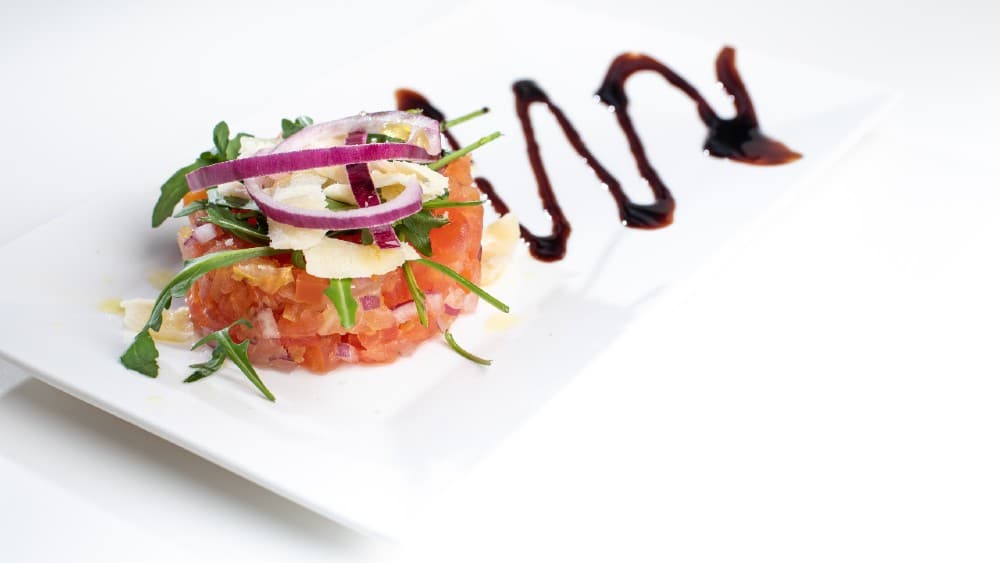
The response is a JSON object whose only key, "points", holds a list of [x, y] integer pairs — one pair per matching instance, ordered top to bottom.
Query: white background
{"points": [[831, 388]]}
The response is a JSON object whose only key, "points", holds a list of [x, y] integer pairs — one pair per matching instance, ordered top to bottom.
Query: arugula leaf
{"points": [[463, 118], [289, 127], [220, 137], [380, 138], [233, 147], [455, 155], [173, 190], [234, 201], [444, 203], [198, 205], [337, 205], [230, 217], [224, 218], [416, 229], [366, 236], [465, 283], [339, 293], [418, 296], [226, 348], [463, 352], [141, 354], [205, 369]]}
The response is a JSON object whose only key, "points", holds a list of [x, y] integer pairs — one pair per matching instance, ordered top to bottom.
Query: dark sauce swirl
{"points": [[738, 138]]}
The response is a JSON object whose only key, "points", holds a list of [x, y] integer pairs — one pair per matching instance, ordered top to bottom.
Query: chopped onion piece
{"points": [[204, 233], [369, 302], [405, 312], [266, 324], [346, 352]]}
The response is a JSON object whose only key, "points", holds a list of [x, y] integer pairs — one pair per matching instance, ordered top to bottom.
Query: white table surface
{"points": [[833, 386]]}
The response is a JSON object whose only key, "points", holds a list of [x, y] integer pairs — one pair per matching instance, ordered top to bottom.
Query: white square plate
{"points": [[370, 446]]}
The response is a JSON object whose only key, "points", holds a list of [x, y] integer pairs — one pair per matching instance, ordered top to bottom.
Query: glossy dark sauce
{"points": [[738, 138]]}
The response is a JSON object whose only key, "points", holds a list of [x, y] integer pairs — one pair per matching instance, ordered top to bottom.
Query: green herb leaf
{"points": [[463, 118], [289, 127], [220, 137], [380, 138], [233, 147], [455, 155], [173, 190], [235, 202], [443, 202], [198, 205], [337, 205], [224, 218], [416, 229], [367, 237], [299, 259], [466, 284], [339, 293], [418, 296], [226, 348], [463, 352], [141, 354], [205, 369]]}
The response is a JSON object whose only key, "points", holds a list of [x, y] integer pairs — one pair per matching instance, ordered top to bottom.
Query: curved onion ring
{"points": [[369, 123], [282, 162], [405, 204]]}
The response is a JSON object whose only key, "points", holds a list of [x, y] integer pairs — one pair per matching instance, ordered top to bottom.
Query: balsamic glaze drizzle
{"points": [[738, 138]]}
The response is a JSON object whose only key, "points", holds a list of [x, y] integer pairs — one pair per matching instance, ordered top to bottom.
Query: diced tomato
{"points": [[308, 324]]}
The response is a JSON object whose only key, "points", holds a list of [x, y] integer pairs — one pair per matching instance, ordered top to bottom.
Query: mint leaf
{"points": [[416, 229], [339, 293], [226, 348], [141, 355]]}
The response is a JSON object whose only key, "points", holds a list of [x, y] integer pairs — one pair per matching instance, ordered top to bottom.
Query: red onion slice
{"points": [[369, 123], [282, 162], [364, 193], [408, 202]]}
